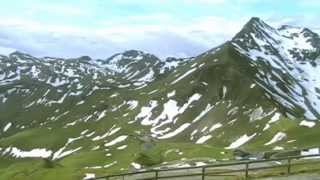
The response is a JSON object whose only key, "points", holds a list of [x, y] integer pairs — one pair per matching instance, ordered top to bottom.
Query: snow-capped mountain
{"points": [[288, 56], [139, 67], [258, 92]]}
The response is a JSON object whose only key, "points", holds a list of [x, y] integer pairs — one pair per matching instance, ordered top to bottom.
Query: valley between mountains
{"points": [[64, 118]]}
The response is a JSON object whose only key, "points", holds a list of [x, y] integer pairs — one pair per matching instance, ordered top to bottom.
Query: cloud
{"points": [[216, 2], [309, 3], [58, 9], [308, 21], [162, 27], [160, 34], [164, 38], [6, 51]]}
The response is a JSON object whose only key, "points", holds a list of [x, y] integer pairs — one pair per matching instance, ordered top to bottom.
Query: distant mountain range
{"points": [[63, 118]]}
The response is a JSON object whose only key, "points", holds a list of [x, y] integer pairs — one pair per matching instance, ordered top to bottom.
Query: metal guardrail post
{"points": [[289, 165], [247, 171], [203, 173], [156, 175]]}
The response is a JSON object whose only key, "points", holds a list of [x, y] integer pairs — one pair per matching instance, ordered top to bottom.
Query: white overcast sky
{"points": [[100, 28]]}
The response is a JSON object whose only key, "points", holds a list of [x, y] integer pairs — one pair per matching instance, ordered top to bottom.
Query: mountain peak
{"points": [[255, 22], [256, 26], [284, 27], [254, 29], [294, 30], [297, 43], [133, 52], [18, 53], [21, 55], [135, 55], [85, 58]]}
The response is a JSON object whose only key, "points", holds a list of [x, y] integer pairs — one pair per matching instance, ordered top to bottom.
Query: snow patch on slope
{"points": [[241, 141]]}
